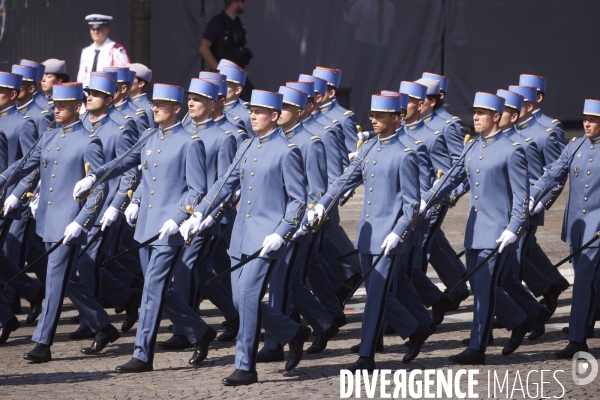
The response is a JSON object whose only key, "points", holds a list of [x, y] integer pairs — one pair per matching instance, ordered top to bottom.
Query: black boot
{"points": [[564, 283], [342, 294], [551, 296], [456, 304], [35, 307], [131, 309], [438, 310], [75, 319], [340, 321], [11, 326], [539, 328], [83, 332], [231, 332], [517, 335], [103, 337], [321, 340], [416, 341], [490, 341], [175, 342], [201, 347], [296, 347], [571, 349], [40, 354], [266, 355], [469, 357], [367, 363], [134, 365], [241, 378]]}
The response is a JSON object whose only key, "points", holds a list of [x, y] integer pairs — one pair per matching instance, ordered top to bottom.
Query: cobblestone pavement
{"points": [[72, 375]]}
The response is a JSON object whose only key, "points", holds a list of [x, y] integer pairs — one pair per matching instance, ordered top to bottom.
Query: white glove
{"points": [[363, 136], [352, 156], [83, 185], [457, 191], [345, 196], [11, 203], [422, 206], [34, 207], [537, 209], [131, 213], [315, 213], [428, 213], [110, 215], [207, 223], [191, 225], [169, 228], [72, 231], [300, 232], [506, 238], [390, 242], [271, 243]]}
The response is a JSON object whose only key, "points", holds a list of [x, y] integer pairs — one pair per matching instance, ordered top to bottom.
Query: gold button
{"points": [[195, 132], [62, 136], [162, 138], [259, 146], [483, 146], [58, 149], [379, 149], [158, 151], [481, 158], [591, 159], [255, 160], [55, 162], [374, 162], [155, 164], [477, 171], [251, 173], [589, 173], [53, 175], [372, 175], [153, 178], [476, 183], [587, 186], [250, 188], [51, 189], [370, 189], [152, 192], [476, 197], [585, 199], [49, 202], [249, 202], [369, 203], [149, 205], [475, 210], [584, 211], [247, 215], [367, 215]]}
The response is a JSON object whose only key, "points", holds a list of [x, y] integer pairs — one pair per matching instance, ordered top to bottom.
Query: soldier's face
{"points": [[99, 34], [48, 81], [26, 91], [233, 91], [7, 97], [97, 101], [428, 106], [200, 108], [414, 109], [526, 110], [164, 111], [66, 112], [289, 114], [509, 118], [262, 119], [484, 120], [383, 122], [591, 126]]}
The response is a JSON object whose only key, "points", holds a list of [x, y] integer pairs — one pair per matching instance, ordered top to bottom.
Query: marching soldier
{"points": [[55, 72], [143, 78], [539, 82], [38, 96], [122, 101], [26, 102], [235, 107], [63, 153], [267, 164], [391, 171], [497, 171], [173, 173], [580, 221]]}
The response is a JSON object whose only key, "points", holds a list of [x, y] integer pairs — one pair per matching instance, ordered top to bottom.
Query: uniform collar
{"points": [[107, 43], [139, 97], [334, 102], [230, 105], [25, 106], [326, 107], [440, 110], [8, 111], [537, 113], [317, 114], [429, 117], [309, 120], [98, 123], [525, 124], [202, 125], [414, 126], [73, 127], [172, 129], [400, 132], [510, 132], [290, 133], [274, 134], [493, 137], [388, 140], [595, 140]]}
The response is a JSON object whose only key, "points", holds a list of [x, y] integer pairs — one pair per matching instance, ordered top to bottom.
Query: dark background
{"points": [[479, 45]]}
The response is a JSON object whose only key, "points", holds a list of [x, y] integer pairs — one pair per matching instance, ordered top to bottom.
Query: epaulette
{"points": [[51, 102], [246, 103], [140, 110], [44, 112], [348, 112], [26, 116], [127, 116], [455, 117], [236, 118], [335, 121], [448, 121], [554, 121], [122, 127], [327, 127], [49, 128], [148, 129], [548, 130], [241, 131], [228, 132], [437, 132], [93, 135], [195, 137], [315, 137], [528, 139], [574, 139], [245, 140], [470, 141], [418, 142], [516, 144], [292, 145], [408, 149]]}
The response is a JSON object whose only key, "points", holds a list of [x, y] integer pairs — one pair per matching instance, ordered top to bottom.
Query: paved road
{"points": [[72, 375]]}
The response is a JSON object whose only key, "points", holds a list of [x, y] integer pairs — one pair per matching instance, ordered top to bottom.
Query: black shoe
{"points": [[353, 280], [564, 283], [342, 294], [551, 296], [456, 303], [35, 307], [119, 309], [131, 309], [438, 310], [75, 319], [340, 321], [224, 324], [11, 326], [170, 328], [539, 328], [589, 331], [83, 332], [231, 332], [517, 335], [102, 338], [321, 340], [416, 341], [176, 342], [489, 343], [201, 347], [296, 347], [378, 348], [571, 349], [40, 354], [266, 355], [469, 357], [367, 363], [134, 365], [241, 378]]}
